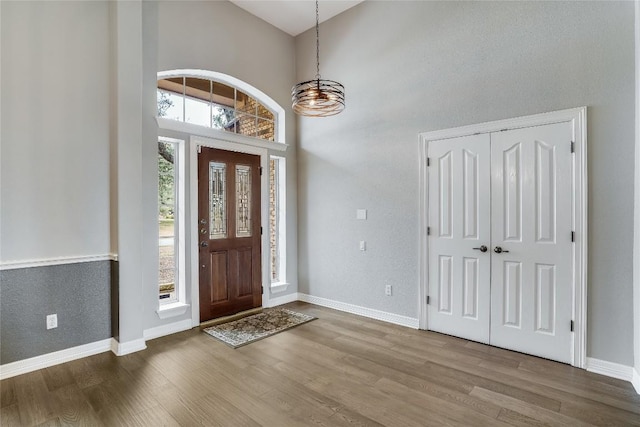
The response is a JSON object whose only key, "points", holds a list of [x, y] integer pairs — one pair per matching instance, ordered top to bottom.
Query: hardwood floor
{"points": [[339, 370]]}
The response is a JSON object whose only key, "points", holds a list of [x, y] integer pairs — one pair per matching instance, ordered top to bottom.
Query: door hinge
{"points": [[573, 147], [199, 149], [428, 162], [260, 170], [261, 231], [428, 231], [573, 236], [262, 290], [428, 300], [572, 326]]}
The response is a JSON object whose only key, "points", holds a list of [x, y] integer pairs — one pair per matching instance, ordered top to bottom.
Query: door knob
{"points": [[203, 221], [204, 244], [482, 248], [499, 250]]}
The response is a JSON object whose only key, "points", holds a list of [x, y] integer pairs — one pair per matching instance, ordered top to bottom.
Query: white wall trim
{"points": [[578, 118], [45, 262], [285, 299], [409, 322], [168, 329], [122, 349], [50, 359], [610, 369], [635, 380]]}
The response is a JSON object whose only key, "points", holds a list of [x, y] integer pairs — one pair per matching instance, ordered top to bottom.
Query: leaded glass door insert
{"points": [[217, 200], [243, 201]]}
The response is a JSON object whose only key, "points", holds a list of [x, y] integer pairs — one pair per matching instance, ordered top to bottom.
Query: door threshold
{"points": [[230, 318]]}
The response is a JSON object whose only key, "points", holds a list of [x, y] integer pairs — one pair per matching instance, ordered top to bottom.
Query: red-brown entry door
{"points": [[228, 232]]}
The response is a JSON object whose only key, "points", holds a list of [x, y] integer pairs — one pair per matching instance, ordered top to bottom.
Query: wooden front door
{"points": [[229, 232]]}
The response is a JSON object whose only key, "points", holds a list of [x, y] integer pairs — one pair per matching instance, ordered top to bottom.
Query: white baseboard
{"points": [[273, 302], [397, 319], [171, 328], [121, 349], [46, 360], [610, 369], [636, 380]]}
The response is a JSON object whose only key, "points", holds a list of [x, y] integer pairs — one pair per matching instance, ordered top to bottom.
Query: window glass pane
{"points": [[198, 88], [223, 94], [245, 103], [170, 105], [197, 111], [264, 113], [223, 118], [246, 125], [266, 129], [217, 200], [243, 201], [273, 218], [166, 221]]}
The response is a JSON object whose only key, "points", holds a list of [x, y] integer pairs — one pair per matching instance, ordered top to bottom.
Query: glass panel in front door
{"points": [[217, 200], [243, 201]]}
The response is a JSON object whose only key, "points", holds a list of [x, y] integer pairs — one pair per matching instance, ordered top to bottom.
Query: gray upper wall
{"points": [[411, 67]]}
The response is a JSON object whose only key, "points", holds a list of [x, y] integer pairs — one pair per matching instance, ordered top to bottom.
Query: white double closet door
{"points": [[500, 244]]}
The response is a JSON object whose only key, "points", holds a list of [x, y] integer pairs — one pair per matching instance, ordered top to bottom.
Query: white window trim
{"points": [[263, 98], [191, 129], [281, 285], [178, 306]]}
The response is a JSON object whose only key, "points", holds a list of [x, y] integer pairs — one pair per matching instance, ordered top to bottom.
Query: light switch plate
{"points": [[361, 214]]}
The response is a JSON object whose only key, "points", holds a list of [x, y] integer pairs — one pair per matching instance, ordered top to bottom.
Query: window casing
{"points": [[171, 219]]}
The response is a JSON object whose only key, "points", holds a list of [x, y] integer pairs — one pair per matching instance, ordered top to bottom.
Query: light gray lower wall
{"points": [[411, 67], [78, 293]]}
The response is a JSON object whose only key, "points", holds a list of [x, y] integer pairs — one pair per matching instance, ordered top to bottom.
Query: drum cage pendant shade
{"points": [[319, 97]]}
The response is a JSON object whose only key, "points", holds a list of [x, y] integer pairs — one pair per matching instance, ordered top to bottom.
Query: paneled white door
{"points": [[510, 192], [459, 218], [531, 286]]}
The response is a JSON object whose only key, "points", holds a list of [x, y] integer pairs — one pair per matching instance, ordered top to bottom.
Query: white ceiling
{"points": [[294, 16]]}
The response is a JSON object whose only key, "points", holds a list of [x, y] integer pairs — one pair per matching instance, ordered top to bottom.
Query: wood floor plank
{"points": [[339, 370], [7, 393], [36, 403], [10, 416], [544, 416]]}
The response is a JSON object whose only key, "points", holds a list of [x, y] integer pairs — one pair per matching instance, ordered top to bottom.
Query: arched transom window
{"points": [[217, 103]]}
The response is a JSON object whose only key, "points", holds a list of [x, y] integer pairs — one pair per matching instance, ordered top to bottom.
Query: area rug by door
{"points": [[253, 328]]}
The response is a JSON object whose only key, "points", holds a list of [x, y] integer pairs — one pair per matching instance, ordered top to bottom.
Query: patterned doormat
{"points": [[253, 328]]}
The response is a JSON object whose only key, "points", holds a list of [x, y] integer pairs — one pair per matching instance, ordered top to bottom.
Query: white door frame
{"points": [[578, 119], [195, 142]]}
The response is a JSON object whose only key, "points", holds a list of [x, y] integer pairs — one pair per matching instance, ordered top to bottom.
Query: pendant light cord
{"points": [[317, 42]]}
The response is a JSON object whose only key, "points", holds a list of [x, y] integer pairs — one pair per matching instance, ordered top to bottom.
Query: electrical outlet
{"points": [[363, 245], [387, 290], [52, 321]]}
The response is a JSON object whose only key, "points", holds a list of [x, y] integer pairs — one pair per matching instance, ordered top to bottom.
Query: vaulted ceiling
{"points": [[294, 17]]}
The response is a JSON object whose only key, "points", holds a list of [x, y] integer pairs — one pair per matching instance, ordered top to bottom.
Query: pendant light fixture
{"points": [[319, 97]]}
